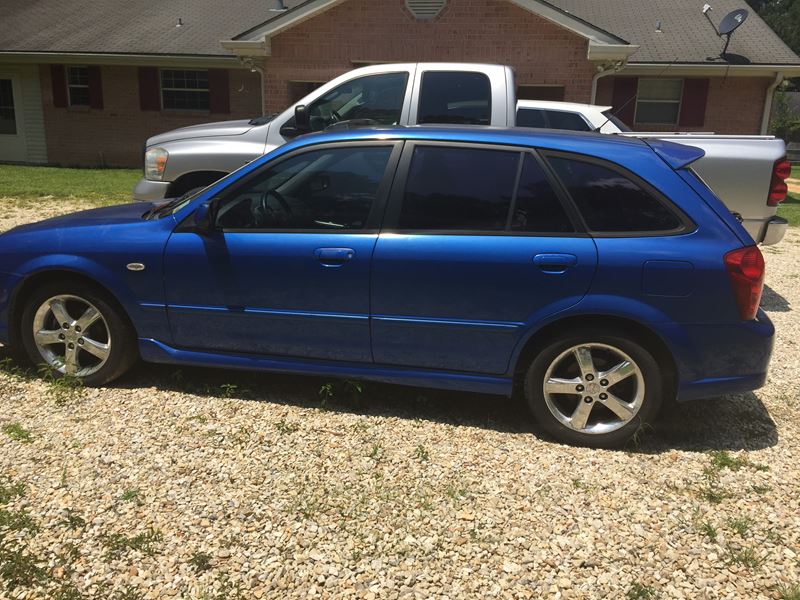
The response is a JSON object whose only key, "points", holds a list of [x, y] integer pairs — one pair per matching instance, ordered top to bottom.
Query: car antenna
{"points": [[631, 99]]}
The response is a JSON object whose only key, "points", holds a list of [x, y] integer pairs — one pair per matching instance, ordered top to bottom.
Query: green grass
{"points": [[99, 185], [789, 209]]}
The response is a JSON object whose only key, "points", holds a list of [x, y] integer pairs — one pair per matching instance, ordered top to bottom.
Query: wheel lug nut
{"points": [[65, 325], [77, 328], [61, 336], [80, 341], [71, 346], [589, 377], [604, 382], [579, 388], [603, 396], [588, 399]]}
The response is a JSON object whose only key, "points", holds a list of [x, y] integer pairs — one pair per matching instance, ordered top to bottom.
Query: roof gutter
{"points": [[156, 60], [718, 69], [768, 102]]}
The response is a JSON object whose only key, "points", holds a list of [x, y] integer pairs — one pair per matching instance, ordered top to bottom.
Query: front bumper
{"points": [[151, 191], [725, 359]]}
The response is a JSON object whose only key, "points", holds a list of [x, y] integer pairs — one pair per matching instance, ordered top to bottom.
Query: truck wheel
{"points": [[75, 330], [593, 388]]}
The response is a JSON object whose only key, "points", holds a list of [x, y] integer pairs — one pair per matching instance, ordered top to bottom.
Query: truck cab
{"points": [[184, 159]]}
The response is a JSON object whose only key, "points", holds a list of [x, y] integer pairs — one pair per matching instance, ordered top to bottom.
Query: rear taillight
{"points": [[777, 187], [746, 270]]}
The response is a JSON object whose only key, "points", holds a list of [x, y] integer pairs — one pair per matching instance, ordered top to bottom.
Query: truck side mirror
{"points": [[302, 121]]}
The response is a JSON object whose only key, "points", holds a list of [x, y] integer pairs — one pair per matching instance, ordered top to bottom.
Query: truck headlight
{"points": [[155, 162]]}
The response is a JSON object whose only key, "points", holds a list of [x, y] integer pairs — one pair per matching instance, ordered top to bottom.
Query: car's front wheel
{"points": [[75, 330], [594, 388]]}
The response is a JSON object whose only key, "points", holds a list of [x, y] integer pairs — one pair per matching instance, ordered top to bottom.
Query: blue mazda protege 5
{"points": [[597, 275]]}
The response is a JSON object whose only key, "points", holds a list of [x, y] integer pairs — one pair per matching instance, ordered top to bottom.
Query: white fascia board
{"points": [[567, 21], [248, 47], [609, 52], [90, 58], [714, 70]]}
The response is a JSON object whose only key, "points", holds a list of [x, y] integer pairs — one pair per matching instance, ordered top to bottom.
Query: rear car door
{"points": [[477, 245]]}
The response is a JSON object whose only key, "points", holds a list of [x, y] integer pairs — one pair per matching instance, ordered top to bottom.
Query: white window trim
{"points": [[77, 85], [162, 89], [679, 101]]}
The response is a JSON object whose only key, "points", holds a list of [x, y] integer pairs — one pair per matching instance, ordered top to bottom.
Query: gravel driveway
{"points": [[195, 483]]}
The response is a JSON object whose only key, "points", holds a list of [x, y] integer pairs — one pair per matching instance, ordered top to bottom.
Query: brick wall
{"points": [[491, 31], [735, 104], [115, 134]]}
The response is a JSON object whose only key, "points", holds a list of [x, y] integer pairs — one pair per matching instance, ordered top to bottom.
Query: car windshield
{"points": [[613, 118]]}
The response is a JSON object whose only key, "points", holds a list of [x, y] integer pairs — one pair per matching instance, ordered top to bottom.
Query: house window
{"points": [[78, 85], [182, 89], [659, 101], [8, 118]]}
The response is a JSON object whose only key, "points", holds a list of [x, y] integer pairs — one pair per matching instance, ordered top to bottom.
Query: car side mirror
{"points": [[302, 120], [205, 217]]}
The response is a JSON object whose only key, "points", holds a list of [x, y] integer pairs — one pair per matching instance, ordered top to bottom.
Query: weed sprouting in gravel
{"points": [[9, 367], [64, 389], [228, 390], [347, 391], [284, 426], [17, 432], [421, 454], [721, 459], [761, 489], [10, 490], [456, 491], [132, 496], [17, 520], [73, 520], [740, 525], [709, 531], [774, 536], [117, 544], [744, 556], [201, 562], [19, 568], [224, 589], [66, 590], [638, 591], [789, 592]]}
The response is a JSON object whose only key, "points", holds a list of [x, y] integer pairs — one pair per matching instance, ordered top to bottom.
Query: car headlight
{"points": [[155, 162]]}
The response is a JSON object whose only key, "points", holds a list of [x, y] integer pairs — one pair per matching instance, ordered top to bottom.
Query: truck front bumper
{"points": [[150, 191], [767, 232]]}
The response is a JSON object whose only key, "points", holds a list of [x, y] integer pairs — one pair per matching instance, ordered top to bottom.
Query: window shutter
{"points": [[58, 81], [95, 87], [149, 89], [218, 91], [624, 98], [693, 103]]}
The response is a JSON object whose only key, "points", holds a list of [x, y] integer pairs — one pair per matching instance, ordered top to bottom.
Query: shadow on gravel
{"points": [[772, 301], [735, 422], [738, 422]]}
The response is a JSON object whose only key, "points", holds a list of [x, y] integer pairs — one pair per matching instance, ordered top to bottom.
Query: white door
{"points": [[13, 145]]}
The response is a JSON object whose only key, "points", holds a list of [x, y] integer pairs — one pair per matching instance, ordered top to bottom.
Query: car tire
{"points": [[80, 332], [594, 388]]}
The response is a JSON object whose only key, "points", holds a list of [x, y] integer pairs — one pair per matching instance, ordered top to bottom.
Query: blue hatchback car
{"points": [[598, 275]]}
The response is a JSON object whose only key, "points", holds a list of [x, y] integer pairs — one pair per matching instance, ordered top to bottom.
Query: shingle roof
{"points": [[129, 26], [686, 34]]}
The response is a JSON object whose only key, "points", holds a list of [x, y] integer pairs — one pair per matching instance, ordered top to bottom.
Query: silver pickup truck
{"points": [[398, 94], [746, 172]]}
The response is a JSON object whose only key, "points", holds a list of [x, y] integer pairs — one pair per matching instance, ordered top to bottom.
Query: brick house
{"points": [[89, 88]]}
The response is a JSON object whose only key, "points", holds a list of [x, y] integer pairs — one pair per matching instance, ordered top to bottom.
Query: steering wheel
{"points": [[264, 209]]}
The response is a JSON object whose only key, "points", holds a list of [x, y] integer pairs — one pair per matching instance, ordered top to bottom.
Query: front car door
{"points": [[477, 246], [286, 272]]}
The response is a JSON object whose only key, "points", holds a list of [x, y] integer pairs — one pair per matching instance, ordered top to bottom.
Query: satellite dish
{"points": [[732, 21]]}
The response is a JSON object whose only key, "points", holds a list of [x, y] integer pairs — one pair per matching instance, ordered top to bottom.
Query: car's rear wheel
{"points": [[75, 330], [594, 388]]}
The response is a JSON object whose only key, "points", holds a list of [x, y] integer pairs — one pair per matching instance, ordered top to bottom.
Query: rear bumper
{"points": [[150, 191], [766, 232], [725, 359]]}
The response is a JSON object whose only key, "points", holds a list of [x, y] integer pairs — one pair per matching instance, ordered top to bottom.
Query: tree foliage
{"points": [[783, 16]]}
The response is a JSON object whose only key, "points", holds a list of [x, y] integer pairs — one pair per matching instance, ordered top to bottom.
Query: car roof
{"points": [[558, 105], [569, 141]]}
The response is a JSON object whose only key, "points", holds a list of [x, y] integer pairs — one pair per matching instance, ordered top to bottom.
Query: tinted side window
{"points": [[375, 97], [455, 97], [531, 117], [566, 120], [325, 189], [458, 189], [609, 201], [538, 208]]}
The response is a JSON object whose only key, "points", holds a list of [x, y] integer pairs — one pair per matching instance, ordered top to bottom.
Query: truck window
{"points": [[455, 97], [378, 98], [531, 117], [560, 119], [458, 189], [611, 202]]}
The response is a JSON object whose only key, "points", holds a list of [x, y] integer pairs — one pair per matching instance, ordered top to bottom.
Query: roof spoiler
{"points": [[677, 156]]}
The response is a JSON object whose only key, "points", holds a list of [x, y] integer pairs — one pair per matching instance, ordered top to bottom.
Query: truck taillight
{"points": [[777, 187], [746, 271]]}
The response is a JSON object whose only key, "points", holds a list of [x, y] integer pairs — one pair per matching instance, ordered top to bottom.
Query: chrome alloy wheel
{"points": [[71, 335], [593, 388]]}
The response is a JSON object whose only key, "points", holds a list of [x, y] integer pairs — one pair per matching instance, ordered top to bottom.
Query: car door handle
{"points": [[334, 257], [555, 263]]}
